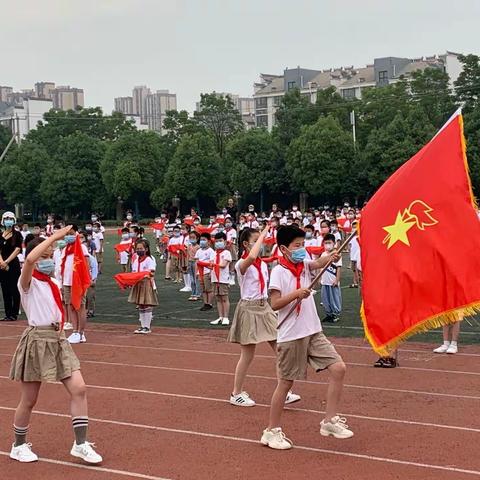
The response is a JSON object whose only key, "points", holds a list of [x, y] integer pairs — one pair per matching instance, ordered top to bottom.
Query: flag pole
{"points": [[340, 249]]}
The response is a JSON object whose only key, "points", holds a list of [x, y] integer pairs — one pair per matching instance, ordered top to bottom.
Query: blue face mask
{"points": [[8, 223], [176, 234], [132, 235], [308, 235], [69, 238], [193, 242], [203, 243], [61, 244], [220, 245], [299, 255], [46, 266]]}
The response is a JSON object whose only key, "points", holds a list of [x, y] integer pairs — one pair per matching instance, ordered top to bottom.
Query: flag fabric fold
{"points": [[420, 238], [81, 280], [125, 280]]}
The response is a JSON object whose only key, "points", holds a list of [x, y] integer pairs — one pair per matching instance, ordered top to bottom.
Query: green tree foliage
{"points": [[467, 85], [219, 117], [178, 124], [472, 135], [5, 136], [318, 159], [256, 163], [134, 164], [194, 171], [71, 179]]}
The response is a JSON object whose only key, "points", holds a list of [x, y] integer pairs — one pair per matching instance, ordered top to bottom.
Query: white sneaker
{"points": [[232, 281], [185, 289], [218, 321], [225, 321], [68, 326], [139, 330], [145, 331], [75, 338], [83, 338], [442, 348], [452, 349], [292, 398], [242, 400], [336, 427], [276, 439], [86, 452], [23, 453]]}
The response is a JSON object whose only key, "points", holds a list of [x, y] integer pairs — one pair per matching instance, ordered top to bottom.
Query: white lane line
{"points": [[256, 442], [92, 467]]}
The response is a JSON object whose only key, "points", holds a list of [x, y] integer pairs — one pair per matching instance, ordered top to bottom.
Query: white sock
{"points": [[186, 279], [142, 318], [148, 319], [447, 343], [453, 343]]}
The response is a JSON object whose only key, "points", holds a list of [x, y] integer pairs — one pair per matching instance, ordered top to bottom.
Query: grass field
{"points": [[176, 311]]}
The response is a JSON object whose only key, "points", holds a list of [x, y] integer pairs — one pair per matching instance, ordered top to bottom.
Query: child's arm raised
{"points": [[254, 252], [36, 254], [322, 261], [277, 302]]}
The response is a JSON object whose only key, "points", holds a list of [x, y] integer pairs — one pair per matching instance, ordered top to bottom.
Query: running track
{"points": [[158, 409]]}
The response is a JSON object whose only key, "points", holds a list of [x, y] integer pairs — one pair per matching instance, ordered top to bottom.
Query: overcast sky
{"points": [[192, 46]]}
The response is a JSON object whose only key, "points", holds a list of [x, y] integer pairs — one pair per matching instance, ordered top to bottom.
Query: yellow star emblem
{"points": [[398, 231]]}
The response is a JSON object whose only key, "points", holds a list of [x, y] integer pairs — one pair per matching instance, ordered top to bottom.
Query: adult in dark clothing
{"points": [[232, 210], [10, 247]]}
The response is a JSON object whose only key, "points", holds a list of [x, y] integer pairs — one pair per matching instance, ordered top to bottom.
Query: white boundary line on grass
{"points": [[256, 442], [92, 467]]}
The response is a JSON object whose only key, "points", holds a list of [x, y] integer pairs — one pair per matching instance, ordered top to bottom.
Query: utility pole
{"points": [[352, 122]]}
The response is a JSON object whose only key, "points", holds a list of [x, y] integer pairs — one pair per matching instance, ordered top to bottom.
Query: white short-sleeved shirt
{"points": [[252, 224], [231, 235], [97, 238], [176, 240], [312, 242], [354, 250], [124, 255], [204, 255], [57, 258], [145, 266], [225, 271], [68, 272], [330, 274], [250, 282], [38, 303], [298, 325]]}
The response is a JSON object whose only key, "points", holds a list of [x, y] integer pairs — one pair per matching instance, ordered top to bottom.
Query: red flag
{"points": [[157, 226], [203, 229], [420, 238], [123, 247], [81, 276], [125, 280]]}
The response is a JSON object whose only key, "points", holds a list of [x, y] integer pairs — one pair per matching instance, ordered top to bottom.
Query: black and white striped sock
{"points": [[80, 427], [20, 435]]}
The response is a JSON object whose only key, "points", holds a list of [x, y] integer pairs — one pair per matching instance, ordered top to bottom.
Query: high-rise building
{"points": [[349, 81], [44, 89], [4, 93], [139, 97], [67, 98], [124, 105], [156, 106], [25, 115]]}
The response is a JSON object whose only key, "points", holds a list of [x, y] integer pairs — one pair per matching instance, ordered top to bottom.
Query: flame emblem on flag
{"points": [[418, 214]]}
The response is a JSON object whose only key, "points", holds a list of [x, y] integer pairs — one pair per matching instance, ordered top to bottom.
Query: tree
{"points": [[467, 85], [432, 93], [219, 117], [89, 121], [178, 124], [472, 135], [5, 136], [389, 147], [317, 161], [256, 163], [134, 165], [194, 171], [21, 172], [71, 180]]}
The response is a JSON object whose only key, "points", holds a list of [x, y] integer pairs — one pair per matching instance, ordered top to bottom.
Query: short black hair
{"points": [[326, 222], [333, 222], [74, 227], [176, 227], [309, 227], [134, 228], [125, 230], [193, 232], [286, 234], [206, 236], [220, 236], [29, 238], [329, 238], [34, 242]]}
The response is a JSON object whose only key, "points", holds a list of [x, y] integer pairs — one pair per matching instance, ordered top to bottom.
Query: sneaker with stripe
{"points": [[242, 399]]}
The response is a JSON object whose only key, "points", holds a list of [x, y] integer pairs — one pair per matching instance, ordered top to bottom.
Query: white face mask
{"points": [[328, 247]]}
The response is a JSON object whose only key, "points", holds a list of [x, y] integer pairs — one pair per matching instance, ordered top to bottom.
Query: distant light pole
{"points": [[352, 122]]}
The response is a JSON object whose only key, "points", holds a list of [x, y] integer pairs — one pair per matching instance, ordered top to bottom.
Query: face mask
{"points": [[250, 209], [295, 209], [224, 211], [163, 215], [129, 217], [310, 218], [94, 219], [49, 220], [196, 222], [8, 223], [289, 223], [228, 225], [333, 228], [88, 229], [96, 229], [220, 229], [176, 234], [132, 235], [308, 235], [125, 236], [89, 237], [69, 239], [193, 241], [203, 243], [61, 244], [220, 245], [328, 246], [141, 253], [298, 256], [46, 266]]}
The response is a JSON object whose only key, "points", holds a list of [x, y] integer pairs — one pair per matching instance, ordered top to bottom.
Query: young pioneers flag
{"points": [[420, 238], [81, 276]]}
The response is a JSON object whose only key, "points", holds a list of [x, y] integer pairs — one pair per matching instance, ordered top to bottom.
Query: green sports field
{"points": [[176, 311]]}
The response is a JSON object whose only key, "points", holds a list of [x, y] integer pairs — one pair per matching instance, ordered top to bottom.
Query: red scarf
{"points": [[258, 265], [296, 269], [55, 292]]}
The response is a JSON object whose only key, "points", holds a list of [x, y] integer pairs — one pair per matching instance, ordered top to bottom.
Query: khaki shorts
{"points": [[99, 257], [206, 284], [220, 289], [67, 296], [293, 357]]}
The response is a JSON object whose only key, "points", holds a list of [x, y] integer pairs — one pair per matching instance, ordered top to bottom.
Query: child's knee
{"points": [[338, 370]]}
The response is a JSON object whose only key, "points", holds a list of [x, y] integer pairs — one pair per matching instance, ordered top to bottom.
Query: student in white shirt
{"points": [[98, 239], [232, 246], [124, 257], [202, 258], [93, 269], [330, 281], [43, 353]]}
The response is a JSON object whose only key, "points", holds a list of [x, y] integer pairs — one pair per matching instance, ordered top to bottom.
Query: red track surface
{"points": [[158, 410]]}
